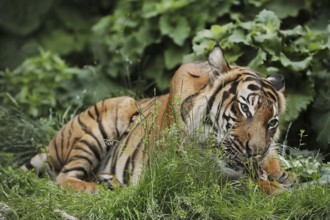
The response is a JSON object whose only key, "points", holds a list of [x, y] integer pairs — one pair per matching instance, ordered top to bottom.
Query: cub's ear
{"points": [[218, 63], [278, 81]]}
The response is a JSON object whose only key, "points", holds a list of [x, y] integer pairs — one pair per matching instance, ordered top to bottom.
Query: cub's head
{"points": [[239, 106]]}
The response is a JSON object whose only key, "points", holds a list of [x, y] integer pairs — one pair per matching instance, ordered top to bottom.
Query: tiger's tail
{"points": [[40, 164]]}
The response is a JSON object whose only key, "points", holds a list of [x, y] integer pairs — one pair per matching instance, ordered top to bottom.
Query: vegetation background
{"points": [[57, 57]]}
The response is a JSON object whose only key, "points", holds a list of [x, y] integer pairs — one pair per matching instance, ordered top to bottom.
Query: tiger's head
{"points": [[238, 105]]}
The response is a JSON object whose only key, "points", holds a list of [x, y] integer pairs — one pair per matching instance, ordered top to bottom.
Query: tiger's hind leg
{"points": [[82, 160]]}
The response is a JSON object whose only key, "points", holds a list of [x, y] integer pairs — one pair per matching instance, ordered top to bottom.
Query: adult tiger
{"points": [[235, 104]]}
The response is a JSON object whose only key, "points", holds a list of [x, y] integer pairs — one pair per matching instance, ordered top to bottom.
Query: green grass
{"points": [[178, 185]]}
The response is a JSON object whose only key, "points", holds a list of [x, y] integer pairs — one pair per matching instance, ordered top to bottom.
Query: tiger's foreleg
{"points": [[279, 178]]}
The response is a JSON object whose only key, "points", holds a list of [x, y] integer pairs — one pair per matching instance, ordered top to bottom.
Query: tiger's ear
{"points": [[218, 63], [278, 81]]}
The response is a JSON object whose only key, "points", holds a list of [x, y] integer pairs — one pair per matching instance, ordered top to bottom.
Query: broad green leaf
{"points": [[270, 20], [176, 28], [218, 30], [297, 31], [238, 36], [270, 42], [258, 60], [295, 65], [298, 100]]}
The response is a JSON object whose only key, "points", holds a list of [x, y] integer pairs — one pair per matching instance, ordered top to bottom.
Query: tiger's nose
{"points": [[252, 150]]}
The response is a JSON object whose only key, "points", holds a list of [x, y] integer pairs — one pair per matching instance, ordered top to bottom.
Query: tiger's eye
{"points": [[244, 107], [272, 123]]}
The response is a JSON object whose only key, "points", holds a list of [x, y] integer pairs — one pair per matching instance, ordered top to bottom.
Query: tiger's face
{"points": [[251, 104], [238, 106], [249, 123]]}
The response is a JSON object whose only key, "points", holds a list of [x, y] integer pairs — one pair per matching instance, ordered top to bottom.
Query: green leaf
{"points": [[270, 20], [176, 27], [297, 31], [238, 36], [270, 42], [258, 60], [295, 65], [298, 100]]}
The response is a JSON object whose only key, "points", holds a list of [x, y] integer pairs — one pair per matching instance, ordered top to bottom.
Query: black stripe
{"points": [[253, 78], [268, 86], [233, 87], [253, 87], [219, 88], [225, 95], [271, 96], [211, 100], [233, 110], [96, 111], [90, 114], [116, 122], [85, 129], [103, 133], [62, 142], [69, 146], [236, 146], [92, 148], [83, 149], [56, 151], [133, 156], [82, 157], [115, 157], [29, 166], [79, 168], [126, 171]]}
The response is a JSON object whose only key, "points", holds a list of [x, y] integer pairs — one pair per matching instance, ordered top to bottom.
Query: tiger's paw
{"points": [[287, 179], [110, 180], [77, 185], [272, 187]]}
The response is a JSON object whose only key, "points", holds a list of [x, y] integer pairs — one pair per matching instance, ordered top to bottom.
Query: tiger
{"points": [[236, 105]]}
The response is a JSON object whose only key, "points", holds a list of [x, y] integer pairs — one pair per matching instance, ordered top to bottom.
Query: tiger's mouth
{"points": [[232, 151]]}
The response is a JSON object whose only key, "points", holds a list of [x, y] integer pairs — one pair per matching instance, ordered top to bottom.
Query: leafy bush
{"points": [[37, 83]]}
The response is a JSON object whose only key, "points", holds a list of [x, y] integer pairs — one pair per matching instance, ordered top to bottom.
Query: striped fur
{"points": [[237, 105]]}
